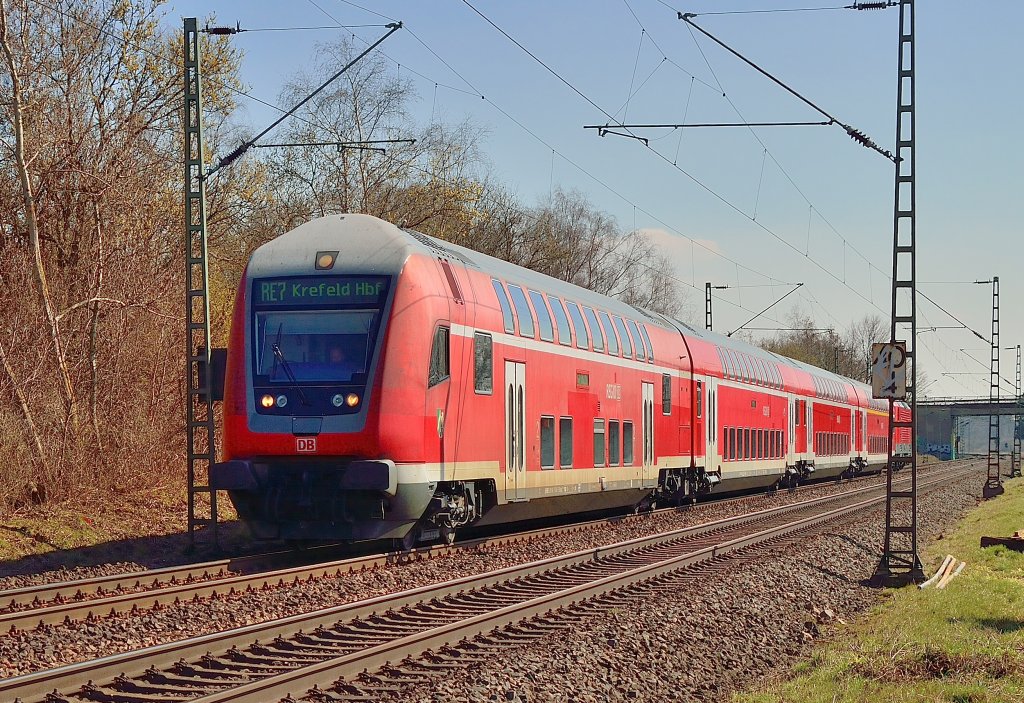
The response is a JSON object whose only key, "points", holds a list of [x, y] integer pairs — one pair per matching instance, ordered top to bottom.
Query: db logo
{"points": [[305, 444]]}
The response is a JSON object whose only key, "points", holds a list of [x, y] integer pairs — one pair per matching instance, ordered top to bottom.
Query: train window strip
{"points": [[522, 306], [506, 307], [561, 321], [579, 327], [595, 329], [547, 330], [609, 332], [647, 339], [638, 341], [627, 346], [483, 363], [440, 369], [731, 434], [547, 442], [565, 442], [598, 442], [613, 442], [627, 443]]}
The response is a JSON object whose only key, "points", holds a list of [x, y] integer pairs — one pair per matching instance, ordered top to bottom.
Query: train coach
{"points": [[381, 384]]}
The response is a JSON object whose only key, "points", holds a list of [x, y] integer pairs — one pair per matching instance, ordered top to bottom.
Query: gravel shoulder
{"points": [[734, 631], [52, 645]]}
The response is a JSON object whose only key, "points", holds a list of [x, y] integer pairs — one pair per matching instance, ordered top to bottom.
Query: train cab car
{"points": [[384, 385]]}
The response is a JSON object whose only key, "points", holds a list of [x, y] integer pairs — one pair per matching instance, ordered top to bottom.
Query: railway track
{"points": [[81, 599], [271, 660]]}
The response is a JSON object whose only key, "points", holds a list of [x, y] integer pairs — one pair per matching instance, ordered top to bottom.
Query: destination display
{"points": [[321, 290]]}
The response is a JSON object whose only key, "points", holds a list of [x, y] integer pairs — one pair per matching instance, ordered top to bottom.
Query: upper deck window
{"points": [[506, 307], [522, 311], [561, 321], [595, 329], [547, 332], [609, 332], [582, 337], [638, 341], [627, 346], [650, 349]]}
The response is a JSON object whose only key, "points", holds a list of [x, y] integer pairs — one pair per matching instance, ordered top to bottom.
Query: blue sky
{"points": [[741, 197]]}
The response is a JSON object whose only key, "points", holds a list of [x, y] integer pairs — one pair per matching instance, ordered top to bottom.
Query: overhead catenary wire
{"points": [[857, 135], [683, 171]]}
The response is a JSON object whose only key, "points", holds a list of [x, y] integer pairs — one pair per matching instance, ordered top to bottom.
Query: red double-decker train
{"points": [[382, 384]]}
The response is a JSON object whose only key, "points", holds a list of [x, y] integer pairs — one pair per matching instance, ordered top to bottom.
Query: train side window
{"points": [[506, 307], [522, 311], [561, 321], [595, 329], [547, 331], [609, 332], [582, 337], [638, 341], [627, 346], [650, 349], [439, 356], [483, 363], [666, 394], [700, 397], [547, 442], [565, 442], [598, 442], [627, 442], [613, 443], [732, 443], [739, 444], [762, 445], [747, 449]]}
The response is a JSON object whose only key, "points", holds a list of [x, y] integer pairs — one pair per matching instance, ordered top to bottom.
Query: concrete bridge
{"points": [[943, 423]]}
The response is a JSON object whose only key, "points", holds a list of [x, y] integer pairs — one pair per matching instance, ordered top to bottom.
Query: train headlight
{"points": [[282, 400], [338, 400], [352, 400], [267, 401]]}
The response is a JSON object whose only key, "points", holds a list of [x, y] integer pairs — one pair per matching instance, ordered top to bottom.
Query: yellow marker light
{"points": [[325, 261], [352, 399], [267, 401]]}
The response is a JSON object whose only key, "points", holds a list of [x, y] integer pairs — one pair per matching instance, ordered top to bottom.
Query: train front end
{"points": [[301, 451]]}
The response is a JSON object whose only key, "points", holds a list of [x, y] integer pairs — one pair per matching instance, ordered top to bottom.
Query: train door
{"points": [[809, 420], [791, 424], [712, 426], [515, 430], [647, 430]]}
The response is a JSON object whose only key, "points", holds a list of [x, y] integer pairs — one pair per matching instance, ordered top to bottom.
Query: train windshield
{"points": [[314, 346]]}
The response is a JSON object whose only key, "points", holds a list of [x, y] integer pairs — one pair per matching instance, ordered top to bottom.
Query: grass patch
{"points": [[96, 519], [964, 644]]}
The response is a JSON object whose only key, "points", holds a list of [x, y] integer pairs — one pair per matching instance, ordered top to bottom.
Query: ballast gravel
{"points": [[702, 643], [52, 645]]}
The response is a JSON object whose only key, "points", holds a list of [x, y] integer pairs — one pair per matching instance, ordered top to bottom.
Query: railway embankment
{"points": [[961, 643]]}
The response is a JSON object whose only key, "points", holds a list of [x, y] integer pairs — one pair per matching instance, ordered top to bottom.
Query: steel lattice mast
{"points": [[202, 451], [1015, 456], [993, 481], [900, 561]]}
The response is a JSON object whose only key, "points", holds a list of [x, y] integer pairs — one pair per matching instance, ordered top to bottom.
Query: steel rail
{"points": [[119, 593], [297, 682], [35, 686]]}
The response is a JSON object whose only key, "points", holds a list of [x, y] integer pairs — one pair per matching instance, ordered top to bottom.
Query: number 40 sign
{"points": [[889, 370]]}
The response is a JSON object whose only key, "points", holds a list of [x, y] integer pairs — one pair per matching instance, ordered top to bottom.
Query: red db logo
{"points": [[305, 444]]}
